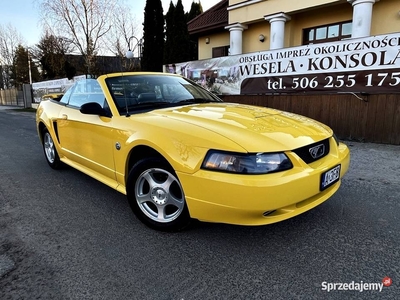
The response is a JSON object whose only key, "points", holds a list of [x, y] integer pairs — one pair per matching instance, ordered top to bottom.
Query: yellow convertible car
{"points": [[180, 153]]}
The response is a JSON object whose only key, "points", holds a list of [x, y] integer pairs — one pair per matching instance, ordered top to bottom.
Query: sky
{"points": [[24, 15]]}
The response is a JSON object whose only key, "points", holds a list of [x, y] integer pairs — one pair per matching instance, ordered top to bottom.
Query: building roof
{"points": [[213, 19]]}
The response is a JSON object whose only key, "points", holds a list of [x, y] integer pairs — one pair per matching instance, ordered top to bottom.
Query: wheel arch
{"points": [[41, 126], [140, 152], [179, 158], [148, 160]]}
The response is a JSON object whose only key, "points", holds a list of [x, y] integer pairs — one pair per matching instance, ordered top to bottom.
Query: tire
{"points": [[50, 151], [156, 195]]}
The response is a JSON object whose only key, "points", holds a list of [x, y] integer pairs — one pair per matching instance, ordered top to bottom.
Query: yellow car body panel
{"points": [[101, 146], [240, 199]]}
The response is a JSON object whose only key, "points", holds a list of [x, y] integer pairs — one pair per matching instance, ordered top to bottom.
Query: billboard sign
{"points": [[369, 65], [57, 86]]}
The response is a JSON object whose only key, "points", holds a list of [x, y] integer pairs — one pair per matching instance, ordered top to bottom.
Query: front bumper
{"points": [[262, 199]]}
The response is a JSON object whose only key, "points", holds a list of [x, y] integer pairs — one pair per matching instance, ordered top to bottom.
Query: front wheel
{"points": [[50, 151], [156, 195]]}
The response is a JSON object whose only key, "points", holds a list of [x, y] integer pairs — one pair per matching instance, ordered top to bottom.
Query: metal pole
{"points": [[29, 67]]}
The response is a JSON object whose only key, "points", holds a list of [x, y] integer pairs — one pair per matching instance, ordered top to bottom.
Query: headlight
{"points": [[252, 163]]}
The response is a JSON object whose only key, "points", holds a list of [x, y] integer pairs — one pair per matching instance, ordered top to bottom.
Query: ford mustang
{"points": [[180, 153]]}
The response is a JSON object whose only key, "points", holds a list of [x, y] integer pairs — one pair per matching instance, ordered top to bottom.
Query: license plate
{"points": [[329, 177]]}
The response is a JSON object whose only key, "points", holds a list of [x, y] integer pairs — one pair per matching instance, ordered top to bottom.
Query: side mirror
{"points": [[94, 108]]}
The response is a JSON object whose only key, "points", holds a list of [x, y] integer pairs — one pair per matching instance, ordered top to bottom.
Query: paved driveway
{"points": [[64, 235]]}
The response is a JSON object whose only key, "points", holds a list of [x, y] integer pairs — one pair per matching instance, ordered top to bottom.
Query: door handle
{"points": [[64, 117]]}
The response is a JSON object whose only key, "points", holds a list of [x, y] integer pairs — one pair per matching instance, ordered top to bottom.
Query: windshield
{"points": [[142, 92]]}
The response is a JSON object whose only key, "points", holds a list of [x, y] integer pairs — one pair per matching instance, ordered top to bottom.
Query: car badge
{"points": [[117, 146], [317, 151]]}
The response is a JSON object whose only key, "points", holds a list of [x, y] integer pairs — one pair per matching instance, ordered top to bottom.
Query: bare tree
{"points": [[82, 22], [124, 27], [124, 35], [10, 39]]}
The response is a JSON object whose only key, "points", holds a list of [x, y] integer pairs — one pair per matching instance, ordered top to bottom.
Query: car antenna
{"points": [[126, 101], [126, 107]]}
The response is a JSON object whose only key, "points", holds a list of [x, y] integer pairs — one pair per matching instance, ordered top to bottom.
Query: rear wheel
{"points": [[50, 151], [156, 195]]}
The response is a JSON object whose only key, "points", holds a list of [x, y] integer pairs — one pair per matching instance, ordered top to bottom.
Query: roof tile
{"points": [[214, 18]]}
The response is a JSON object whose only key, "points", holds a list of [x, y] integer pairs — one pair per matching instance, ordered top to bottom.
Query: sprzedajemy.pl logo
{"points": [[356, 286]]}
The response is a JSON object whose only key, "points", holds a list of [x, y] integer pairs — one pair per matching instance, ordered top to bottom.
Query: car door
{"points": [[87, 140]]}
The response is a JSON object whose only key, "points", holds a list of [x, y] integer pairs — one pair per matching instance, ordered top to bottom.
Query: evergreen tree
{"points": [[195, 10], [169, 33], [153, 35], [177, 45], [181, 45], [51, 54], [22, 66], [70, 70]]}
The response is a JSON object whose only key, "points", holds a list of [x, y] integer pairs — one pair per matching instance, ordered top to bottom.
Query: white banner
{"points": [[370, 64], [53, 86]]}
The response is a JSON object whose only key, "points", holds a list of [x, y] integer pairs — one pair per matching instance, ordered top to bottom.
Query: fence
{"points": [[11, 97], [368, 118]]}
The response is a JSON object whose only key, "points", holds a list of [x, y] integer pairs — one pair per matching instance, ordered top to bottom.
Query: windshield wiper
{"points": [[196, 100], [151, 103], [148, 104]]}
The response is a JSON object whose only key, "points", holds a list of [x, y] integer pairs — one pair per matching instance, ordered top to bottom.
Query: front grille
{"points": [[313, 152]]}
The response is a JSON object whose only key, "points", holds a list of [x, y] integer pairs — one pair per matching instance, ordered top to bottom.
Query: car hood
{"points": [[256, 129]]}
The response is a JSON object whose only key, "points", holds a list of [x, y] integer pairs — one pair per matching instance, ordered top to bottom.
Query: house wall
{"points": [[256, 11], [304, 14], [321, 16], [385, 17], [216, 40], [251, 42]]}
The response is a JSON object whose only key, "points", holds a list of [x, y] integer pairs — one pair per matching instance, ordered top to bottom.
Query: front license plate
{"points": [[329, 177]]}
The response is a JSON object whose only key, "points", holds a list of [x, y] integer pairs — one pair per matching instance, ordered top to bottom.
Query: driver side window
{"points": [[85, 91], [65, 98]]}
